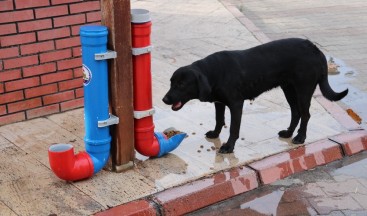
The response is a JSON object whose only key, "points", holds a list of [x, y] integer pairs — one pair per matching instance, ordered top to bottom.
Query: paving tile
{"points": [[72, 121], [35, 136], [352, 142], [4, 143], [303, 158], [16, 164], [350, 186], [111, 189], [45, 195], [190, 197], [326, 205], [139, 207], [5, 210]]}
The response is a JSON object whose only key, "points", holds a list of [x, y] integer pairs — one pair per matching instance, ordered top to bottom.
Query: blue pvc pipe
{"points": [[95, 74]]}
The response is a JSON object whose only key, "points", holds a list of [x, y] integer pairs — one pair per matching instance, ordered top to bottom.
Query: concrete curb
{"points": [[226, 184], [223, 185]]}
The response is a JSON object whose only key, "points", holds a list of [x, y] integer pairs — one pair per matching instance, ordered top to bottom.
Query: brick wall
{"points": [[40, 59]]}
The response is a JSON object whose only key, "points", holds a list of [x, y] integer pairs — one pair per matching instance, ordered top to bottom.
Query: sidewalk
{"points": [[183, 31]]}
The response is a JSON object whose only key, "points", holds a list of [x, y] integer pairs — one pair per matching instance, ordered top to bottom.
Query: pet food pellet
{"points": [[225, 126], [193, 133], [242, 138], [201, 146], [213, 148], [208, 150], [199, 151]]}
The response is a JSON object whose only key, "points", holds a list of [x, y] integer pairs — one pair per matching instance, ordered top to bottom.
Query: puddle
{"points": [[356, 99], [265, 205]]}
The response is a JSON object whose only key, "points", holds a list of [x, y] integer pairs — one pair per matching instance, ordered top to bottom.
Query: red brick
{"points": [[55, 2], [20, 4], [6, 5], [84, 7], [51, 11], [14, 16], [94, 16], [69, 20], [34, 25], [8, 29], [75, 30], [54, 33], [18, 39], [67, 42], [37, 47], [77, 51], [8, 52], [55, 55], [20, 62], [70, 63], [1, 65], [39, 69], [78, 72], [10, 75], [55, 77], [21, 84], [70, 84], [1, 87], [40, 91], [79, 92], [11, 97], [59, 97], [72, 104], [24, 105], [2, 110], [43, 111], [7, 119], [352, 142], [284, 164], [193, 196], [139, 207]]}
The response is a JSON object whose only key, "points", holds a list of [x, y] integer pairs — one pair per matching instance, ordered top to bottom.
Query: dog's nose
{"points": [[166, 99]]}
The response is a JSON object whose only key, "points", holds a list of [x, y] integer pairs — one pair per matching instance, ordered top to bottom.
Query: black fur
{"points": [[230, 77]]}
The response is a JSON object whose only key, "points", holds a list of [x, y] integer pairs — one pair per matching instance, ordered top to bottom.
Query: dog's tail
{"points": [[328, 92]]}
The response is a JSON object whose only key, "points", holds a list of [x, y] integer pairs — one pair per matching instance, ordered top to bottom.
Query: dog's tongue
{"points": [[176, 105]]}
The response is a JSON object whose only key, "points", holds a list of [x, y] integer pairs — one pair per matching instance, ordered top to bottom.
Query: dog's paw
{"points": [[212, 134], [285, 134], [299, 139], [226, 149]]}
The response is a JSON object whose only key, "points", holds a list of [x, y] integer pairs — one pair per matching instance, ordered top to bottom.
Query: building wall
{"points": [[40, 56]]}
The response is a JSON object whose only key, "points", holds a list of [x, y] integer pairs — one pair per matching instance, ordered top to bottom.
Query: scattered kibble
{"points": [[225, 126], [171, 133], [193, 133], [242, 138], [201, 146], [213, 148], [208, 150], [199, 151]]}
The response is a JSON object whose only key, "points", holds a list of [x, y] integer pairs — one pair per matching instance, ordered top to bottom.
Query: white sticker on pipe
{"points": [[87, 75]]}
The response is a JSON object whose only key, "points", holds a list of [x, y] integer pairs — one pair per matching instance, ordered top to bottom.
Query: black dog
{"points": [[230, 77]]}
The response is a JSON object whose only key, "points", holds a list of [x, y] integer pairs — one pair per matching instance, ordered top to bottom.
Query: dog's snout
{"points": [[166, 99]]}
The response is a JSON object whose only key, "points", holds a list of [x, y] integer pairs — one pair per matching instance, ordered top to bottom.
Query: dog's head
{"points": [[187, 83]]}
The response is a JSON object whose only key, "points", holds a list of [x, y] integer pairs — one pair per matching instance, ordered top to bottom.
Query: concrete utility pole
{"points": [[116, 16]]}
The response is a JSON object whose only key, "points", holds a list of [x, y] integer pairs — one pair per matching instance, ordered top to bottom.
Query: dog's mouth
{"points": [[177, 106]]}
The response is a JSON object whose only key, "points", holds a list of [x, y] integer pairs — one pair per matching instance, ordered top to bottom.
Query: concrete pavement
{"points": [[183, 31]]}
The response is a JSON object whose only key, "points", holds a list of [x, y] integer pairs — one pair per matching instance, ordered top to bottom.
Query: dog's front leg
{"points": [[236, 114], [219, 121]]}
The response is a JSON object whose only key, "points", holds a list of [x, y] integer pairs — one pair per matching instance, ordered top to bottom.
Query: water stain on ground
{"points": [[340, 77], [339, 188]]}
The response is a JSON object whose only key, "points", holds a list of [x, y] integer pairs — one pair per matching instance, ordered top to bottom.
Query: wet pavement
{"points": [[337, 27], [338, 189]]}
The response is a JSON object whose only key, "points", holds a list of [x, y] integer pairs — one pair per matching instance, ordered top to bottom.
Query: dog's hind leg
{"points": [[291, 97], [304, 102], [236, 114], [219, 119]]}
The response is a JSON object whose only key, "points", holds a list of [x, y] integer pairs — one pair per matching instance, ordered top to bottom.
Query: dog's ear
{"points": [[203, 86]]}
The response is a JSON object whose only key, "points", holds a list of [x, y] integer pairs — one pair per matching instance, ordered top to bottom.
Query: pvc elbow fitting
{"points": [[68, 166]]}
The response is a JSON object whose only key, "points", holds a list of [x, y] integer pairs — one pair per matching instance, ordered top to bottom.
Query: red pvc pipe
{"points": [[145, 141], [68, 166]]}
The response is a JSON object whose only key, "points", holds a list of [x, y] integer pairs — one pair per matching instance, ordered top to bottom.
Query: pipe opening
{"points": [[61, 147]]}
